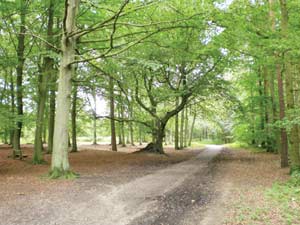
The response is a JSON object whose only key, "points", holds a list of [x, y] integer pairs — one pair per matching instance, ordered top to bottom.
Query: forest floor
{"points": [[193, 186]]}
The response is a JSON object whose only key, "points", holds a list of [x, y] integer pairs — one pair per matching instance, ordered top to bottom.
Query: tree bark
{"points": [[45, 74], [19, 87], [12, 105], [262, 109], [112, 115], [51, 119], [73, 119], [122, 125], [186, 126], [192, 129], [176, 133], [283, 133], [294, 136], [181, 144], [60, 161]]}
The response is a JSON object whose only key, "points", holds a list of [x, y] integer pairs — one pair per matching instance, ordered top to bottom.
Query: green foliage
{"points": [[287, 197]]}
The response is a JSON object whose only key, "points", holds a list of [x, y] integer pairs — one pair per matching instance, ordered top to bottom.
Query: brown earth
{"points": [[185, 188]]}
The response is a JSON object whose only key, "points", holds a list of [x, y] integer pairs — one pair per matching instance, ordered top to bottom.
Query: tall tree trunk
{"points": [[21, 60], [45, 74], [12, 102], [52, 102], [267, 108], [262, 109], [112, 115], [73, 119], [122, 124], [119, 125], [131, 125], [186, 126], [192, 129], [176, 134], [283, 134], [294, 136], [181, 145], [60, 161]]}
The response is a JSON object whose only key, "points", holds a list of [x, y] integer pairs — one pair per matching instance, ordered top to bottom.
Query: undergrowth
{"points": [[287, 197]]}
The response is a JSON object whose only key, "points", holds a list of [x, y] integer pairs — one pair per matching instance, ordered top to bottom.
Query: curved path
{"points": [[176, 195]]}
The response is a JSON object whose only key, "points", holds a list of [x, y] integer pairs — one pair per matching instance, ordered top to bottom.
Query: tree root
{"points": [[151, 148], [57, 173]]}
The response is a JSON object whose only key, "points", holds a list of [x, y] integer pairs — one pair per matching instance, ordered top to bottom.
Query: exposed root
{"points": [[151, 148], [57, 173]]}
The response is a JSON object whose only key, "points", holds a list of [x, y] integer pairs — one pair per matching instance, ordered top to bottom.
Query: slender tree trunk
{"points": [[45, 74], [19, 88], [3, 98], [52, 102], [267, 108], [12, 109], [262, 109], [112, 115], [73, 119], [119, 125], [122, 125], [131, 126], [186, 126], [192, 129], [182, 130], [176, 133], [283, 133], [294, 136], [282, 139], [60, 161]]}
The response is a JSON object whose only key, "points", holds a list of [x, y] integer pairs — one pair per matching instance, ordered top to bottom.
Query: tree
{"points": [[46, 71], [60, 162]]}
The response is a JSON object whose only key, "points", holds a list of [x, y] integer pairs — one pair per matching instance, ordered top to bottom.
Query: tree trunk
{"points": [[45, 74], [19, 92], [12, 102], [267, 108], [262, 109], [112, 115], [51, 119], [73, 119], [119, 124], [122, 125], [131, 126], [186, 126], [192, 129], [283, 133], [176, 135], [293, 137], [283, 143], [181, 145], [60, 161]]}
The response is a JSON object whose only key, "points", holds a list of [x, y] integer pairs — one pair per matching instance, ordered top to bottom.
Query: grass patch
{"points": [[245, 146], [287, 197]]}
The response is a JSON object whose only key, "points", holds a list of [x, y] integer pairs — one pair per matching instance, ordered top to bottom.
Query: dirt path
{"points": [[174, 195]]}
